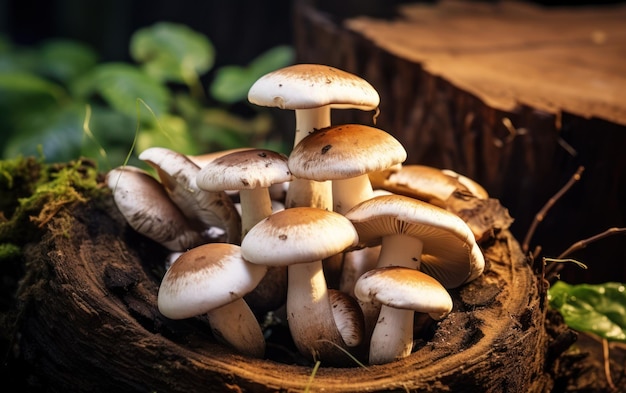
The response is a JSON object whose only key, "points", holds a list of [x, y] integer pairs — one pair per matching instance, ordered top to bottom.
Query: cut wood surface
{"points": [[510, 53], [513, 95]]}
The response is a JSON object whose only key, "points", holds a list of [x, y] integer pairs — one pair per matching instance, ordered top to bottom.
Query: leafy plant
{"points": [[58, 101], [592, 308]]}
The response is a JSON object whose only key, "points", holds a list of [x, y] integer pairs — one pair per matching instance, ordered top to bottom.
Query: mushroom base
{"points": [[87, 320]]}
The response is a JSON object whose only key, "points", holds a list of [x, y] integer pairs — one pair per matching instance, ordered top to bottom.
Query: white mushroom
{"points": [[311, 90], [345, 154], [252, 172], [178, 176], [148, 209], [419, 235], [300, 238], [212, 279], [401, 291]]}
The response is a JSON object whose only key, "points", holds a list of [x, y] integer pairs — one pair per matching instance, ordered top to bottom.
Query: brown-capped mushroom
{"points": [[311, 90], [251, 172], [178, 176], [449, 190], [148, 209], [300, 238], [212, 279], [401, 292]]}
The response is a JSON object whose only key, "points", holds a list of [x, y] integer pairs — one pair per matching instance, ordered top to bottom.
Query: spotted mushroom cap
{"points": [[307, 86], [345, 151], [245, 169], [298, 235], [450, 252], [206, 277], [404, 288]]}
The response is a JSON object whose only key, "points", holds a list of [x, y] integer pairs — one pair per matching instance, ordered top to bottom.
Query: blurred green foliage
{"points": [[58, 102]]}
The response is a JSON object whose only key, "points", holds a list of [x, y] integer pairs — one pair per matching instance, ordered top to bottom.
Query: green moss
{"points": [[34, 192]]}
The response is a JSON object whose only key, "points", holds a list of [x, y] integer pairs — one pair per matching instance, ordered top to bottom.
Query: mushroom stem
{"points": [[309, 120], [302, 192], [349, 192], [256, 204], [400, 250], [309, 312], [236, 325], [392, 335], [392, 338]]}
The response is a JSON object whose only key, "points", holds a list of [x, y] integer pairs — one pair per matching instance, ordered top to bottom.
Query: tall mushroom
{"points": [[311, 90], [345, 154], [300, 238], [212, 279]]}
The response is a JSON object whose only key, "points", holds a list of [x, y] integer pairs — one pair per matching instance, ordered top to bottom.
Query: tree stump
{"points": [[515, 96], [88, 322]]}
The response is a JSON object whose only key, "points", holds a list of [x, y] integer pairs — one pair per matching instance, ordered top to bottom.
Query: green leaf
{"points": [[172, 52], [272, 59], [64, 60], [231, 83], [18, 85], [121, 85], [57, 131], [170, 132], [598, 309]]}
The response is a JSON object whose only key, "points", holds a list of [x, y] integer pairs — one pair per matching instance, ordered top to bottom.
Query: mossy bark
{"points": [[88, 321]]}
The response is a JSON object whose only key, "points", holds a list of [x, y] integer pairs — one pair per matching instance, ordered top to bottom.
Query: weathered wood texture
{"points": [[513, 95], [88, 322]]}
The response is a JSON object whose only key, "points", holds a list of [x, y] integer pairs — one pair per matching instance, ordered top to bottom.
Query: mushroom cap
{"points": [[307, 86], [344, 151], [245, 169], [178, 175], [422, 182], [472, 185], [148, 209], [298, 235], [450, 252], [206, 277], [404, 288]]}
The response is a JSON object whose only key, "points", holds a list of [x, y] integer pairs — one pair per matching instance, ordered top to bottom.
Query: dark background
{"points": [[239, 29]]}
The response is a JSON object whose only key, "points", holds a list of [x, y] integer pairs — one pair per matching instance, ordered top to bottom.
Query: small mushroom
{"points": [[251, 172], [178, 176], [148, 209], [300, 238], [212, 279], [402, 292], [348, 317]]}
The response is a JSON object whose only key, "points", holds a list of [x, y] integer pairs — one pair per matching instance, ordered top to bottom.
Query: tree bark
{"points": [[514, 96], [88, 322]]}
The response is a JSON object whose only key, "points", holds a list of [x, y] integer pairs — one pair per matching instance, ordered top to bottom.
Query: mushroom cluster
{"points": [[343, 195]]}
